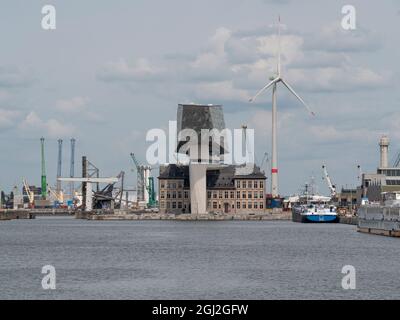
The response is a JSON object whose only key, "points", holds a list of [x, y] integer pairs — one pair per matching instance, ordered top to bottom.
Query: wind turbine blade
{"points": [[279, 47], [263, 89], [297, 96]]}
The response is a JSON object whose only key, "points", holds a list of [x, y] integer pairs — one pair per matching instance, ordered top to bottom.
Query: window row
{"points": [[250, 184], [171, 185], [174, 194], [239, 194], [172, 205], [239, 205]]}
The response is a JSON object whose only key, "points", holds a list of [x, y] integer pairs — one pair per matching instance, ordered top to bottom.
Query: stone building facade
{"points": [[229, 190]]}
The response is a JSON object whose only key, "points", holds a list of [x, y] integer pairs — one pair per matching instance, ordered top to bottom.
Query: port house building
{"points": [[229, 190]]}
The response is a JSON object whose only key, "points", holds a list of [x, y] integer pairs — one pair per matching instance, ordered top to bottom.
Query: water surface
{"points": [[194, 260]]}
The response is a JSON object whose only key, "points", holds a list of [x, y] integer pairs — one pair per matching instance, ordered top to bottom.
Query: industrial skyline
{"points": [[107, 83]]}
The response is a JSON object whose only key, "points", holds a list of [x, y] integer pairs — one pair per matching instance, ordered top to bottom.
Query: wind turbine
{"points": [[274, 81]]}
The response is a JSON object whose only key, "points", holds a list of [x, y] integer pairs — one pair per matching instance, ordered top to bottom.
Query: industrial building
{"points": [[386, 178], [209, 186]]}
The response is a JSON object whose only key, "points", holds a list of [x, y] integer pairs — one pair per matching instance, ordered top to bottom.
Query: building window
{"points": [[237, 183], [162, 184], [244, 184], [249, 184], [255, 184], [261, 184], [180, 185], [174, 186], [162, 194], [173, 194], [179, 194], [186, 194], [209, 194], [220, 194], [232, 194], [238, 194], [255, 194], [261, 194], [168, 195], [214, 195], [226, 195], [243, 195], [249, 195], [168, 204], [208, 204], [162, 205], [174, 205], [179, 205], [215, 205], [238, 205], [244, 205], [249, 205], [255, 205], [261, 205]]}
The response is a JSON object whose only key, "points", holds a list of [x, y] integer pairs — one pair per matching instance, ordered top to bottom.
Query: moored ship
{"points": [[314, 208]]}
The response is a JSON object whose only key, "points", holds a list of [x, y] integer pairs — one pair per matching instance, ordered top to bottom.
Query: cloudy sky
{"points": [[112, 70]]}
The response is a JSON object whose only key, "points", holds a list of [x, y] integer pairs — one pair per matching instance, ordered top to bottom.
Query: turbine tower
{"points": [[274, 82]]}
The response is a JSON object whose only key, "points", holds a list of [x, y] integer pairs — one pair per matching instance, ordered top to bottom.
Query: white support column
{"points": [[198, 188], [89, 200]]}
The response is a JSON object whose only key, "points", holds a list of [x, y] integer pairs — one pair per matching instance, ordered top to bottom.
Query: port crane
{"points": [[43, 165], [145, 184], [331, 187], [28, 191], [58, 195]]}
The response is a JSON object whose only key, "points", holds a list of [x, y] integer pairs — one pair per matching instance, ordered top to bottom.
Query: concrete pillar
{"points": [[384, 150], [198, 187], [88, 196]]}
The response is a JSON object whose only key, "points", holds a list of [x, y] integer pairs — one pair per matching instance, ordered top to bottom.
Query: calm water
{"points": [[193, 260]]}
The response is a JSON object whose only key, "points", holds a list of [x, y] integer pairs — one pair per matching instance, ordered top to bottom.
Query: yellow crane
{"points": [[30, 194], [57, 195]]}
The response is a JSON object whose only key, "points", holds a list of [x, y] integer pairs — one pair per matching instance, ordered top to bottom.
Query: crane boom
{"points": [[141, 180], [331, 187], [28, 192]]}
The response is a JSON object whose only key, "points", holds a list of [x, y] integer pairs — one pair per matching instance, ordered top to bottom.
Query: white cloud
{"points": [[234, 65], [123, 71], [14, 77], [223, 90], [73, 105], [8, 118], [33, 124]]}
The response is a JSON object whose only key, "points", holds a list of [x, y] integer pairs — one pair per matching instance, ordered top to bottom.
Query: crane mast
{"points": [[43, 177], [331, 187]]}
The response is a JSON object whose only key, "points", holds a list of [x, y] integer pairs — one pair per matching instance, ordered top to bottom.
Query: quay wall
{"points": [[10, 214], [126, 215]]}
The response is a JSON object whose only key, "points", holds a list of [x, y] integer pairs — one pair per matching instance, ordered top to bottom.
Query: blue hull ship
{"points": [[314, 218]]}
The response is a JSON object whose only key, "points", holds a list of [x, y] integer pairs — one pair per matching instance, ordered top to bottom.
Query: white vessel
{"points": [[314, 208]]}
